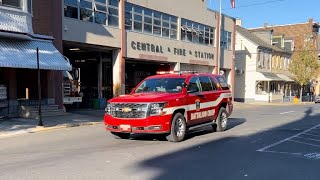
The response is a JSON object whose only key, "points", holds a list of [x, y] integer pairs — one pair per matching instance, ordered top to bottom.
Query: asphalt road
{"points": [[262, 143]]}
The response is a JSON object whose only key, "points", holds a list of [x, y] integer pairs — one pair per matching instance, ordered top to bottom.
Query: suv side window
{"points": [[223, 82], [206, 83], [194, 85], [214, 85]]}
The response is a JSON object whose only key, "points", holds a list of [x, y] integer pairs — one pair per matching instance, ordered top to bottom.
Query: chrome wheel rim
{"points": [[224, 119], [179, 127]]}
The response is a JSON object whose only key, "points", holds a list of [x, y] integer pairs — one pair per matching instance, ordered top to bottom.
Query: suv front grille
{"points": [[129, 110]]}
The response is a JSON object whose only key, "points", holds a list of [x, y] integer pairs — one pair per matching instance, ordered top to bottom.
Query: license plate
{"points": [[125, 127]]}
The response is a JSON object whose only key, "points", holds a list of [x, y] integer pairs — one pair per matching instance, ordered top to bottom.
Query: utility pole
{"points": [[40, 123]]}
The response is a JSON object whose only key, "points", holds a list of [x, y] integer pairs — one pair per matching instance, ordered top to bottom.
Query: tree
{"points": [[304, 65]]}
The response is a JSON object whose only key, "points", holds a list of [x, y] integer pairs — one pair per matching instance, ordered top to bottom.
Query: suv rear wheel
{"points": [[222, 120], [178, 128], [119, 135]]}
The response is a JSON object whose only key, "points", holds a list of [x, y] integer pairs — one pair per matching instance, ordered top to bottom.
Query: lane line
{"points": [[287, 112], [309, 134], [287, 139], [318, 140], [304, 143], [279, 152]]}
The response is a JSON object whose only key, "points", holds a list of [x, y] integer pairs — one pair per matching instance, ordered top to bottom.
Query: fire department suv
{"points": [[171, 103]]}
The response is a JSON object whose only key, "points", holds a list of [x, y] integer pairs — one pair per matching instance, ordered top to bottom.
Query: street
{"points": [[263, 142]]}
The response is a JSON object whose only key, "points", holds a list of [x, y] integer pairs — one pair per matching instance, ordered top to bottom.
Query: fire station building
{"points": [[116, 44]]}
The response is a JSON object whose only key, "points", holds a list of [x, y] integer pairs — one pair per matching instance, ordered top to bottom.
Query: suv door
{"points": [[210, 93], [195, 100]]}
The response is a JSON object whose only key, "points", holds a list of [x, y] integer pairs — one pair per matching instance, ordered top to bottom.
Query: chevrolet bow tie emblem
{"points": [[126, 109]]}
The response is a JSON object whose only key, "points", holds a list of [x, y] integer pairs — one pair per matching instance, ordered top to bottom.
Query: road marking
{"points": [[287, 112], [309, 134], [287, 139], [318, 140], [304, 143], [279, 152], [315, 156]]}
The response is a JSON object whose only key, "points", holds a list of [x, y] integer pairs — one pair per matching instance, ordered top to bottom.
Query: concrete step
{"points": [[46, 111]]}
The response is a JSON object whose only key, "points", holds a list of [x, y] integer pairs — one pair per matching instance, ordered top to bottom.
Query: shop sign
{"points": [[154, 48]]}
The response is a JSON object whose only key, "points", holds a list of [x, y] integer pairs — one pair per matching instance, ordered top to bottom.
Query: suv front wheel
{"points": [[178, 128]]}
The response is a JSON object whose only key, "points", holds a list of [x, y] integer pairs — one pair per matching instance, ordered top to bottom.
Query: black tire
{"points": [[221, 121], [178, 128], [119, 135]]}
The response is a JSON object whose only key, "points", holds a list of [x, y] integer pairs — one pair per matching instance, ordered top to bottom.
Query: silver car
{"points": [[317, 99]]}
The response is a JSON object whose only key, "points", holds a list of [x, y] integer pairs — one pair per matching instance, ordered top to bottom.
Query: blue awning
{"points": [[16, 53]]}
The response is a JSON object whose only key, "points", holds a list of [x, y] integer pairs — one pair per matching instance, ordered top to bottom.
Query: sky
{"points": [[254, 13]]}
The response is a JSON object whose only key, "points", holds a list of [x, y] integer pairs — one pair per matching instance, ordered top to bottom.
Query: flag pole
{"points": [[219, 40]]}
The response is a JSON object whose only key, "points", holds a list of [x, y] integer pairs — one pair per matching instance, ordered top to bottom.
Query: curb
{"points": [[43, 129]]}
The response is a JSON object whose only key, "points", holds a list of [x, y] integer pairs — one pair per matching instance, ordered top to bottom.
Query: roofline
{"points": [[212, 10], [314, 23]]}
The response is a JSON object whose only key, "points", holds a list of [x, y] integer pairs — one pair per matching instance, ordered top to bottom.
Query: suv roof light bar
{"points": [[178, 72]]}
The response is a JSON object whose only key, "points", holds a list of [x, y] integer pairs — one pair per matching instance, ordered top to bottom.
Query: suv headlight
{"points": [[108, 109], [156, 109]]}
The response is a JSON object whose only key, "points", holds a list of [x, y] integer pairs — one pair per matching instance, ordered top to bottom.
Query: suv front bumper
{"points": [[152, 124]]}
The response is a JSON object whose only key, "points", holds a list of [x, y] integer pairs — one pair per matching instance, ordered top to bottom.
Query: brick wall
{"points": [[47, 20]]}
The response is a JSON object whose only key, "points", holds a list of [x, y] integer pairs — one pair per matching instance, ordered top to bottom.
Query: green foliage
{"points": [[304, 65]]}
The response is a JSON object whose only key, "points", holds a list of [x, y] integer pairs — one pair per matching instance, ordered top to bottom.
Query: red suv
{"points": [[171, 103]]}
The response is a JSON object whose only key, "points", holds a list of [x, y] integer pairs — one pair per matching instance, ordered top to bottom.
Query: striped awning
{"points": [[15, 53]]}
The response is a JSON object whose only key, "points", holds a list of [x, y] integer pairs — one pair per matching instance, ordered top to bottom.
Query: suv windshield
{"points": [[170, 85]]}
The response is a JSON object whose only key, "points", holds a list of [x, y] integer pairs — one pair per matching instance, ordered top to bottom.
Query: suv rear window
{"points": [[223, 82]]}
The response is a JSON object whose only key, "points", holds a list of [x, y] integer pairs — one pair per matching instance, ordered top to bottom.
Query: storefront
{"points": [[18, 71]]}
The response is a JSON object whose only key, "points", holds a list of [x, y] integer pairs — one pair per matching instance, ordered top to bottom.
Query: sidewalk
{"points": [[255, 104], [18, 126]]}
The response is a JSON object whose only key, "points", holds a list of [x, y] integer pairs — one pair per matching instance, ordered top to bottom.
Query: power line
{"points": [[256, 4]]}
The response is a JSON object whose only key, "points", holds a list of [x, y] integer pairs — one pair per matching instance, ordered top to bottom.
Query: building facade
{"points": [[293, 37], [116, 44], [18, 60], [261, 68]]}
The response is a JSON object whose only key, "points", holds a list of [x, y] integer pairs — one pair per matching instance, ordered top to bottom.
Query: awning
{"points": [[22, 54], [267, 76], [286, 78]]}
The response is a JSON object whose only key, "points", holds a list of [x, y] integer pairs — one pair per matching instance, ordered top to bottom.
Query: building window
{"points": [[12, 3], [29, 6], [71, 8], [86, 10], [98, 11], [128, 15], [113, 18], [137, 18], [148, 21], [197, 33], [225, 40]]}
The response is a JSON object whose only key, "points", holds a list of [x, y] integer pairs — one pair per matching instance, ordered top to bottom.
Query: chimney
{"points": [[310, 21], [239, 22], [265, 25]]}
